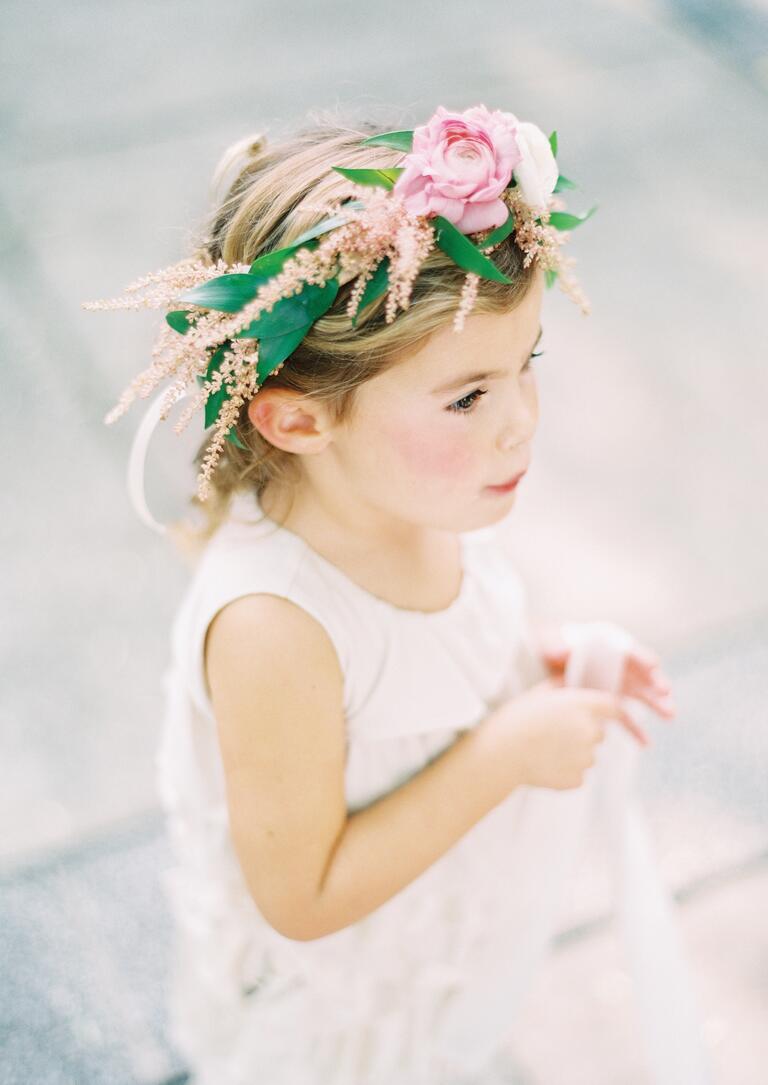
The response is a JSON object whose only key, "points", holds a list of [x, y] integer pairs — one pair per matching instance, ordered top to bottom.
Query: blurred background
{"points": [[645, 503]]}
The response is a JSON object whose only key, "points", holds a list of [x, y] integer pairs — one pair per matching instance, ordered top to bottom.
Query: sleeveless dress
{"points": [[422, 990]]}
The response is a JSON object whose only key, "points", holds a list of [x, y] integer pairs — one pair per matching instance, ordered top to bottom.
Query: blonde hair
{"points": [[265, 195]]}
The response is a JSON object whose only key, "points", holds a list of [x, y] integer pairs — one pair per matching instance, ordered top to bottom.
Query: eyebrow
{"points": [[470, 378]]}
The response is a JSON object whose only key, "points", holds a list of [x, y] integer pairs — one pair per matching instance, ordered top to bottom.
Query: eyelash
{"points": [[478, 392]]}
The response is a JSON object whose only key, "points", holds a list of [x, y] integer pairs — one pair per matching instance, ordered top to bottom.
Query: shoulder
{"points": [[252, 586], [293, 594], [262, 641]]}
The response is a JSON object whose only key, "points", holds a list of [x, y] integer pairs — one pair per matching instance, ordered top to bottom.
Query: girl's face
{"points": [[429, 436]]}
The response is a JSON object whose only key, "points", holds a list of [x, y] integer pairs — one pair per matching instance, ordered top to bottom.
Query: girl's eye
{"points": [[466, 403]]}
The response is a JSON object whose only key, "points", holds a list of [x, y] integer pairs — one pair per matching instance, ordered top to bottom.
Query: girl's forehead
{"points": [[487, 341]]}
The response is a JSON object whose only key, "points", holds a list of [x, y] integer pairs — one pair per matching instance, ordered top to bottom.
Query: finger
{"points": [[643, 666], [660, 680], [652, 689], [662, 705], [609, 706], [666, 707], [634, 728]]}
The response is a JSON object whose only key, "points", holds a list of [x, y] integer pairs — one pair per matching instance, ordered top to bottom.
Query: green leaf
{"points": [[398, 141], [553, 142], [392, 172], [383, 178], [563, 182], [563, 220], [322, 228], [497, 235], [458, 246], [271, 263], [549, 277], [377, 285], [228, 293], [289, 314], [180, 321], [276, 348], [215, 361], [214, 402]]}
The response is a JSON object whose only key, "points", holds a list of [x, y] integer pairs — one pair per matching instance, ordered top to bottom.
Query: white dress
{"points": [[422, 990]]}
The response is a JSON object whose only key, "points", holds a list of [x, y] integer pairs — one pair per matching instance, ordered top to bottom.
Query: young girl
{"points": [[375, 774]]}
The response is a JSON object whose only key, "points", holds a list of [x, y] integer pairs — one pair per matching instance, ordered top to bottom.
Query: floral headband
{"points": [[229, 327]]}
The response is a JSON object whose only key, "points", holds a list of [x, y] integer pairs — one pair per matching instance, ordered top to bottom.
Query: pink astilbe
{"points": [[384, 229], [414, 240], [538, 240], [542, 242], [159, 289], [467, 300], [172, 354], [244, 357]]}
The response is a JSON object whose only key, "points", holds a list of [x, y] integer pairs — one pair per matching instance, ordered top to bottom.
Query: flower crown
{"points": [[229, 327]]}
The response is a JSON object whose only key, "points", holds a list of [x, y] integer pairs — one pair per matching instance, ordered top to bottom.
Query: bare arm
{"points": [[390, 843], [311, 868]]}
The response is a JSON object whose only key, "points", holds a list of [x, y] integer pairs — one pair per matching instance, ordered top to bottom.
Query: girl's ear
{"points": [[288, 420]]}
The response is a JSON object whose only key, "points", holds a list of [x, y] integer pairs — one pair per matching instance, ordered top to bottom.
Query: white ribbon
{"points": [[137, 461], [549, 840]]}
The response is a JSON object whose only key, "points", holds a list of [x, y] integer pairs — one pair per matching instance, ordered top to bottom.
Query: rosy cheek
{"points": [[432, 453]]}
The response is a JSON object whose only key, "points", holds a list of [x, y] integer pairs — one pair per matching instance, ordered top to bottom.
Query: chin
{"points": [[500, 507], [490, 512]]}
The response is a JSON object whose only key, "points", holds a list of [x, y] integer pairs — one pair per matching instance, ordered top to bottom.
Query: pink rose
{"points": [[459, 166]]}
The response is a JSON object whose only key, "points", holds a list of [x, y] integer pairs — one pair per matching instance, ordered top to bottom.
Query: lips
{"points": [[509, 481]]}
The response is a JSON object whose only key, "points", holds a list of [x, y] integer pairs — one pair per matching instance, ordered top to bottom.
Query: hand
{"points": [[642, 677], [547, 735]]}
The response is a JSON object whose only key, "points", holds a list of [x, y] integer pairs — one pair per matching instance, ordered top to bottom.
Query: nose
{"points": [[518, 426]]}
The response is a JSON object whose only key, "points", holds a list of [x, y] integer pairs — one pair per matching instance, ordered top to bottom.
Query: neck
{"points": [[346, 527], [408, 565]]}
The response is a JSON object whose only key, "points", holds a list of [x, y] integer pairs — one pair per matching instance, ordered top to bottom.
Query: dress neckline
{"points": [[250, 500]]}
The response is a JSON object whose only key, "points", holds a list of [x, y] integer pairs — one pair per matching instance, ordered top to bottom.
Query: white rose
{"points": [[537, 174]]}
